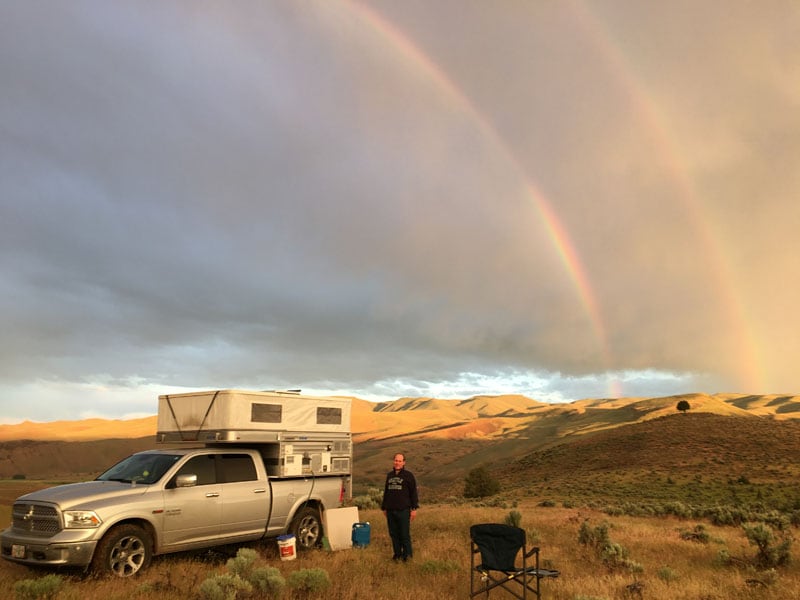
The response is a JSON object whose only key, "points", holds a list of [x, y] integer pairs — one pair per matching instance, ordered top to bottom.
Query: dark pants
{"points": [[399, 522]]}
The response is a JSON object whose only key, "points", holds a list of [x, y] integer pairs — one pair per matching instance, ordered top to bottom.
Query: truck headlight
{"points": [[81, 519]]}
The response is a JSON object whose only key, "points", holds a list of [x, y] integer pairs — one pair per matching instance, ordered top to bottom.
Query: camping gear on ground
{"points": [[360, 535], [498, 546], [287, 547]]}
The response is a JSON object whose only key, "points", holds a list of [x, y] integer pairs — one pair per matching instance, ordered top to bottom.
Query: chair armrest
{"points": [[532, 551]]}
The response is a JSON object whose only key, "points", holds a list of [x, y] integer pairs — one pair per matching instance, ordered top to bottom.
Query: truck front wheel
{"points": [[306, 528], [124, 551]]}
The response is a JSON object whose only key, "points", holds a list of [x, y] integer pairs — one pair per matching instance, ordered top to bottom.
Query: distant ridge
{"points": [[480, 417], [78, 431], [444, 438]]}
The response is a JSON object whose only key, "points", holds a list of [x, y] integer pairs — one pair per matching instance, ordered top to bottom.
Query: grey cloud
{"points": [[268, 195]]}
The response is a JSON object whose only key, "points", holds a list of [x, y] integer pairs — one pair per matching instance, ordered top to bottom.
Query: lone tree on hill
{"points": [[683, 406], [479, 484]]}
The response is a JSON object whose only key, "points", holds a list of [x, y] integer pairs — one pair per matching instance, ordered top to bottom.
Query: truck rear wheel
{"points": [[306, 528], [124, 551]]}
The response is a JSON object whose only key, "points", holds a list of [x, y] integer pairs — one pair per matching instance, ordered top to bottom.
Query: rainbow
{"points": [[555, 228], [751, 376]]}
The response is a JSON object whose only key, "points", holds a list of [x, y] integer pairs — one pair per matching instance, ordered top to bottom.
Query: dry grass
{"points": [[695, 459], [672, 567]]}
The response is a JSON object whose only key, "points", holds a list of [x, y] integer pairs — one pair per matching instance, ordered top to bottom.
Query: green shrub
{"points": [[479, 484], [372, 499], [365, 502], [494, 502], [679, 509], [613, 511], [721, 516], [514, 518], [794, 518], [776, 520], [698, 534], [532, 536], [597, 537], [772, 552], [613, 555], [724, 558], [242, 563], [436, 567], [667, 574], [243, 577], [268, 581], [308, 581], [224, 587], [44, 588]]}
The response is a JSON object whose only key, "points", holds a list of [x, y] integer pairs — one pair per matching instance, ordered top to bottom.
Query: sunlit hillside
{"points": [[479, 417], [87, 429], [443, 438], [683, 449]]}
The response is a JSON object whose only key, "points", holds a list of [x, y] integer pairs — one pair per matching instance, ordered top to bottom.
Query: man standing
{"points": [[400, 504]]}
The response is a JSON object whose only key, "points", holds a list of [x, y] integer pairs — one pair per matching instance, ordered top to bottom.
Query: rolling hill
{"points": [[443, 439], [704, 459]]}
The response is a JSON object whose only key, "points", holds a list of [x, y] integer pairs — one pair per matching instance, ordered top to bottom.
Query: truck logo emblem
{"points": [[28, 518]]}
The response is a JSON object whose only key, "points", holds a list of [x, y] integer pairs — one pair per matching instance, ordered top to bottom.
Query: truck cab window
{"points": [[203, 467], [236, 467]]}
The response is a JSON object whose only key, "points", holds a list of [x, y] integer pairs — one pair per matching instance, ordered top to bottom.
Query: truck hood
{"points": [[89, 492]]}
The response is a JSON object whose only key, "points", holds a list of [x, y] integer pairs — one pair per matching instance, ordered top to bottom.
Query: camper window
{"points": [[266, 413], [329, 416]]}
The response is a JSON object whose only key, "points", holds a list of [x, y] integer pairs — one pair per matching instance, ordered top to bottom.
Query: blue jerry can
{"points": [[360, 536]]}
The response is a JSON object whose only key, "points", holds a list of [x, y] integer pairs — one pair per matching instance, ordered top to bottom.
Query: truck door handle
{"points": [[259, 490], [212, 495]]}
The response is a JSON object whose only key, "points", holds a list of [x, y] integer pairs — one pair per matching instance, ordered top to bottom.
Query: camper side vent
{"points": [[341, 447], [340, 465]]}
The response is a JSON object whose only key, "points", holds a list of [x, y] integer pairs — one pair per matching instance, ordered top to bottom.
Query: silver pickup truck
{"points": [[162, 501]]}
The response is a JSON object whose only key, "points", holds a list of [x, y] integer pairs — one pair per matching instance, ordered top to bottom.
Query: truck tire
{"points": [[306, 528], [124, 551]]}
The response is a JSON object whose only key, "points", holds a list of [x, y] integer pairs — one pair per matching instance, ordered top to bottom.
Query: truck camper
{"points": [[236, 466]]}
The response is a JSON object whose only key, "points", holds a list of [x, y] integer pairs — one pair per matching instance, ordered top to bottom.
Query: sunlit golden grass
{"points": [[671, 567]]}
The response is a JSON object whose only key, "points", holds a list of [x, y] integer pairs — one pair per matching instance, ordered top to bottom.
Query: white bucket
{"points": [[286, 547]]}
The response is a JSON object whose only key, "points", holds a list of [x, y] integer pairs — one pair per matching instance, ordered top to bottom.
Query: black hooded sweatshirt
{"points": [[400, 491]]}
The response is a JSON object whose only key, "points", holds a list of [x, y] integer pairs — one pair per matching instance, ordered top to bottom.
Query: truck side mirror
{"points": [[187, 480]]}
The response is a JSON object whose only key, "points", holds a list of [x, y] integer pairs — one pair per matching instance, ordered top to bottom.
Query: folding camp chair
{"points": [[498, 546]]}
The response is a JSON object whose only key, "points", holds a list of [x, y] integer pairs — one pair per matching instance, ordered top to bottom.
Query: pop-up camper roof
{"points": [[237, 415]]}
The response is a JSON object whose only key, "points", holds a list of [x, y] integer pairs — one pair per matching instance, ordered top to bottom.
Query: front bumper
{"points": [[33, 551]]}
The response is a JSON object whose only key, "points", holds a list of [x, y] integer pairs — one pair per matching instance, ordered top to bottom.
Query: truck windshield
{"points": [[145, 468]]}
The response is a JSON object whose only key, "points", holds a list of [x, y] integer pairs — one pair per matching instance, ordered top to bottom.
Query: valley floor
{"points": [[659, 562]]}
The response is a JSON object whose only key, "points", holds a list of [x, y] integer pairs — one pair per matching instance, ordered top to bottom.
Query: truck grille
{"points": [[36, 519]]}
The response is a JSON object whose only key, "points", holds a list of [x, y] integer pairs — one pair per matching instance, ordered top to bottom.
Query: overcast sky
{"points": [[563, 199]]}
